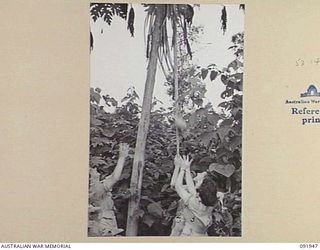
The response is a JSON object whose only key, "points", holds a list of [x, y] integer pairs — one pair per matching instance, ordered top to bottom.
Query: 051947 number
{"points": [[309, 245]]}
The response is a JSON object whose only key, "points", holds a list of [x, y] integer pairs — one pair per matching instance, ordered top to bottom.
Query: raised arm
{"points": [[177, 163], [115, 176], [190, 184], [182, 192]]}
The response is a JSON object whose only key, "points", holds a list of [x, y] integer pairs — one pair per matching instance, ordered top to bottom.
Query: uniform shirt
{"points": [[198, 217], [193, 218], [105, 223]]}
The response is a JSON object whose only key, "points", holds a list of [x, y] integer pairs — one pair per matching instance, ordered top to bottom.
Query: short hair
{"points": [[208, 192]]}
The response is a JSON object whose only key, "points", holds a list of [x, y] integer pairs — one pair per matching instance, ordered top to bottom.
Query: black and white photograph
{"points": [[166, 94]]}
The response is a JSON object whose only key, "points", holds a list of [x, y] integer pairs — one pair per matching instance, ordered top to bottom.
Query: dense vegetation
{"points": [[212, 137]]}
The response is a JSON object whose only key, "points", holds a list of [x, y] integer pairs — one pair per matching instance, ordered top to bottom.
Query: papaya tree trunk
{"points": [[138, 161]]}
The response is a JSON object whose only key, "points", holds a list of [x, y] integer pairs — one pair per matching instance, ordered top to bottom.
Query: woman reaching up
{"points": [[198, 196]]}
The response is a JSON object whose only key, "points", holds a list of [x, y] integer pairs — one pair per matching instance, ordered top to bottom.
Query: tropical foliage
{"points": [[212, 138]]}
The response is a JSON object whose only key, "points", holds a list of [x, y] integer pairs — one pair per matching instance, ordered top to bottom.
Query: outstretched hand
{"points": [[123, 150], [185, 162]]}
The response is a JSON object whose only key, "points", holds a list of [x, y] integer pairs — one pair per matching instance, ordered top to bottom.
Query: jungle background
{"points": [[209, 100]]}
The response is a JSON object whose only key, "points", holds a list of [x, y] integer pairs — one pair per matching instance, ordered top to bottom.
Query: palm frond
{"points": [[106, 11], [184, 14]]}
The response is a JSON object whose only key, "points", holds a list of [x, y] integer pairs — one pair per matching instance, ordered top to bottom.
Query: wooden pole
{"points": [[176, 87], [138, 161]]}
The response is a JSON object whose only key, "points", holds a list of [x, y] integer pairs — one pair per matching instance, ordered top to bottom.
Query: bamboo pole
{"points": [[176, 88], [138, 161]]}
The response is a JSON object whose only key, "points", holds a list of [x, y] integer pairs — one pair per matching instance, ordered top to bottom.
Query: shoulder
{"points": [[108, 183], [194, 203], [200, 211]]}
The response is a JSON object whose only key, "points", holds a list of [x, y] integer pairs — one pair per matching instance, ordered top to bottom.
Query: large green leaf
{"points": [[235, 65], [204, 73], [213, 75], [94, 96], [213, 118], [227, 122], [224, 131], [205, 138], [235, 142], [96, 161], [225, 170], [155, 209], [148, 220]]}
